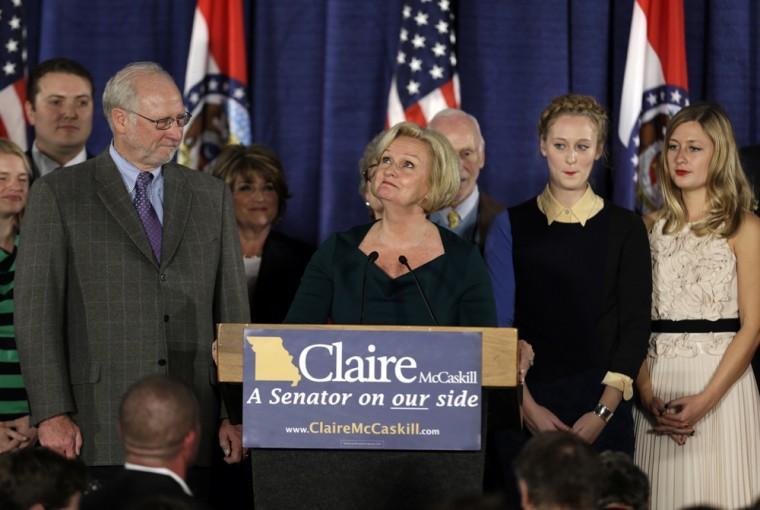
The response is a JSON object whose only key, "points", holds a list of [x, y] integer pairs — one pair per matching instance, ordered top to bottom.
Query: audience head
{"points": [[59, 104], [146, 114], [571, 132], [463, 133], [432, 154], [700, 154], [367, 165], [255, 175], [14, 180], [159, 422], [557, 470], [39, 479], [624, 485]]}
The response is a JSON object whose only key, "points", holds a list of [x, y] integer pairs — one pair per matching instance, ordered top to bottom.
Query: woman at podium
{"points": [[400, 270]]}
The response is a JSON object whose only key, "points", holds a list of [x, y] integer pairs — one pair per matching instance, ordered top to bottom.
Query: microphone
{"points": [[371, 258], [405, 263]]}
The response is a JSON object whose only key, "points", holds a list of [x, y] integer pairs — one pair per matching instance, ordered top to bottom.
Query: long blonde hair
{"points": [[729, 194]]}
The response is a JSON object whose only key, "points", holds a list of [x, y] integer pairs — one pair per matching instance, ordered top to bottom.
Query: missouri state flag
{"points": [[425, 79], [216, 83], [655, 87]]}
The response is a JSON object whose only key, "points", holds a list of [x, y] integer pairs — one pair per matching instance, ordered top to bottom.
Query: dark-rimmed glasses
{"points": [[166, 122]]}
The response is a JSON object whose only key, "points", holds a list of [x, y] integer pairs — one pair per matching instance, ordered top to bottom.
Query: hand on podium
{"points": [[526, 356]]}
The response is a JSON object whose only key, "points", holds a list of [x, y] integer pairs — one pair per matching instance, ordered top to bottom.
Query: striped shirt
{"points": [[13, 399]]}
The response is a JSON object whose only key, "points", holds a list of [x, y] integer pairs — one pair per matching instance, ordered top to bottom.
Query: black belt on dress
{"points": [[696, 326]]}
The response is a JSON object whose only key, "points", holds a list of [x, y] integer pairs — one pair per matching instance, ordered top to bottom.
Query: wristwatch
{"points": [[604, 412]]}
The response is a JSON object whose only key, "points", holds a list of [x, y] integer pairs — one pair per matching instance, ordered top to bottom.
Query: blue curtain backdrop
{"points": [[320, 72]]}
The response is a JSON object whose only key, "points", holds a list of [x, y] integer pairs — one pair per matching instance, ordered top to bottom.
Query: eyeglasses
{"points": [[166, 122]]}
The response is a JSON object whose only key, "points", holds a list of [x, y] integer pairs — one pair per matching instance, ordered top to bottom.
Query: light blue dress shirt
{"points": [[129, 173]]}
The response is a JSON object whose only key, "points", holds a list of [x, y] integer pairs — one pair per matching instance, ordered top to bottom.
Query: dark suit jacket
{"points": [[33, 165], [488, 208], [283, 261], [95, 313], [132, 489]]}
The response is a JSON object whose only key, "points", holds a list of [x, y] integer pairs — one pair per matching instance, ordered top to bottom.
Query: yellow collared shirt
{"points": [[583, 210]]}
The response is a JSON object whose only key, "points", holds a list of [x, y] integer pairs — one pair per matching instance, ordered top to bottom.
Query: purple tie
{"points": [[147, 214]]}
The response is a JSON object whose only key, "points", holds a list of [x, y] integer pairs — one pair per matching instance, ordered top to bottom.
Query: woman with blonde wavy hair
{"points": [[416, 173], [698, 430]]}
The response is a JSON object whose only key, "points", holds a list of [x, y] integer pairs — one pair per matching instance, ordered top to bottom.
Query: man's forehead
{"points": [[59, 83], [156, 88], [456, 125]]}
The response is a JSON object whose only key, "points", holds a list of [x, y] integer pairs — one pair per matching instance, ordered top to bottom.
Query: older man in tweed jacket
{"points": [[122, 274]]}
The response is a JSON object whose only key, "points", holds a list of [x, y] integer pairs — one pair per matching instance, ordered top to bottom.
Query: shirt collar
{"points": [[46, 164], [128, 171], [469, 204], [466, 207], [582, 211], [160, 471]]}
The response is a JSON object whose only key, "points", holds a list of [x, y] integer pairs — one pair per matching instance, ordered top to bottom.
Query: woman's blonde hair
{"points": [[574, 104], [8, 147], [368, 163], [444, 171], [729, 194]]}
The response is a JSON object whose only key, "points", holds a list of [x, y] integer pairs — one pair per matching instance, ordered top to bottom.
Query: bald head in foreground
{"points": [[160, 429]]}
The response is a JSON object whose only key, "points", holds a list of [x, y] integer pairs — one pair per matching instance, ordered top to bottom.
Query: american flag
{"points": [[12, 71], [425, 81]]}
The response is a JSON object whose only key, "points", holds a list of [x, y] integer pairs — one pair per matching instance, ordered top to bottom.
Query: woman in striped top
{"points": [[16, 431]]}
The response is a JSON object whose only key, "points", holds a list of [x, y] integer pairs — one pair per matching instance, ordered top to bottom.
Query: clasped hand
{"points": [[678, 417], [540, 419], [16, 434]]}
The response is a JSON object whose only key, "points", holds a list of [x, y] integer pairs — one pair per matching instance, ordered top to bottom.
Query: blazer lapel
{"points": [[113, 193], [177, 201]]}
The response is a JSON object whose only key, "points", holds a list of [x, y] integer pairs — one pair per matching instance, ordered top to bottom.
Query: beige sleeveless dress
{"points": [[695, 278]]}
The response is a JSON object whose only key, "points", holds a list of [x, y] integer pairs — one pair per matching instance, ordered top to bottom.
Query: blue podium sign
{"points": [[359, 389]]}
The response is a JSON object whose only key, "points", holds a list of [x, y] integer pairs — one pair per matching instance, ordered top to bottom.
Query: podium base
{"points": [[342, 479]]}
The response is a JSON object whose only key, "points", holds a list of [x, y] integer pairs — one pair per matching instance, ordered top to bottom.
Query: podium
{"points": [[369, 479]]}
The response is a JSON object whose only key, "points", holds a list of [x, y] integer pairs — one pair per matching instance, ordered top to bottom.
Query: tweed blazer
{"points": [[95, 312]]}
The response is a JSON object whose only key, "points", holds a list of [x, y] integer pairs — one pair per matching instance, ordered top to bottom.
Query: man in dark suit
{"points": [[59, 105], [473, 211], [126, 264], [160, 428]]}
